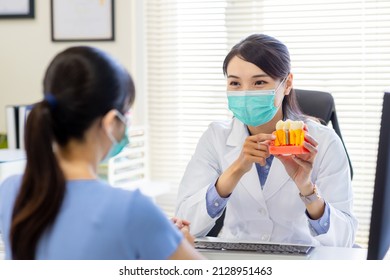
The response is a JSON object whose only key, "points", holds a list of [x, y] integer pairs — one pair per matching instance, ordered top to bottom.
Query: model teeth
{"points": [[289, 133]]}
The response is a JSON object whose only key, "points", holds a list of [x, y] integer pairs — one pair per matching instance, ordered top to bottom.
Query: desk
{"points": [[318, 253]]}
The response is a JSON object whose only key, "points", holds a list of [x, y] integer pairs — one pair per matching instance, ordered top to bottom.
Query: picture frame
{"points": [[17, 9], [82, 20]]}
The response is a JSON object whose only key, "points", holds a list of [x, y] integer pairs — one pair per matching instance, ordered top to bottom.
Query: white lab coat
{"points": [[276, 213]]}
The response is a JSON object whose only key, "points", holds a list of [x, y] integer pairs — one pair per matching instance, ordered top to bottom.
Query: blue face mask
{"points": [[253, 108], [117, 147]]}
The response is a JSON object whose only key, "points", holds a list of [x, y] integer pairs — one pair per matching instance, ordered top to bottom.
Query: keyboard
{"points": [[262, 248]]}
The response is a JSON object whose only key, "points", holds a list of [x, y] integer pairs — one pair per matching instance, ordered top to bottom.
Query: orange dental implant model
{"points": [[290, 136]]}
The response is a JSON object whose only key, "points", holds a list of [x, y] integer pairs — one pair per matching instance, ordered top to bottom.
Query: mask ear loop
{"points": [[285, 79], [281, 83], [121, 117], [109, 133], [111, 137]]}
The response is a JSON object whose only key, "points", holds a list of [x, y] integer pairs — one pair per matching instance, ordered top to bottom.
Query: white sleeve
{"points": [[202, 170], [333, 180]]}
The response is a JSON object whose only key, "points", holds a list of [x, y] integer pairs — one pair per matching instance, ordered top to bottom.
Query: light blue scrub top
{"points": [[97, 221]]}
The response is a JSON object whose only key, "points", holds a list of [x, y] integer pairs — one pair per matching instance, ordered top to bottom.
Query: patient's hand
{"points": [[184, 227]]}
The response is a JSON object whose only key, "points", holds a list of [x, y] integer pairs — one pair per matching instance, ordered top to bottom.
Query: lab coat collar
{"points": [[238, 134]]}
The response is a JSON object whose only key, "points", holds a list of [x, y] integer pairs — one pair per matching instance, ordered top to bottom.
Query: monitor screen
{"points": [[379, 238]]}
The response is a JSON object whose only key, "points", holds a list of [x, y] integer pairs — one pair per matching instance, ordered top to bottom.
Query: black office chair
{"points": [[320, 104]]}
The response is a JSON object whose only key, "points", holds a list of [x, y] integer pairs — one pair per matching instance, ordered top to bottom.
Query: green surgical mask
{"points": [[253, 108], [117, 147]]}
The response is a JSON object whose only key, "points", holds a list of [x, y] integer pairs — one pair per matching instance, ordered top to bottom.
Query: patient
{"points": [[59, 209]]}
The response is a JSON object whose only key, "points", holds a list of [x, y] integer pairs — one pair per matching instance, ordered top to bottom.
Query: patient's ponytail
{"points": [[43, 185]]}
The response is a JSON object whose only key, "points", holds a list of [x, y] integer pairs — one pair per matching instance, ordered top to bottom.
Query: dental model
{"points": [[290, 136]]}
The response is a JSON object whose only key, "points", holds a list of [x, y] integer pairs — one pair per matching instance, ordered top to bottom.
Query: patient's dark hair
{"points": [[273, 57], [80, 86]]}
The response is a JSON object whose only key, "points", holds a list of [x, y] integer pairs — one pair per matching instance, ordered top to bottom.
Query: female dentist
{"points": [[305, 199]]}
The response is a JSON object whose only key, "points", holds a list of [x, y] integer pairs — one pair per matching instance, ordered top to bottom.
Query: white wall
{"points": [[26, 49]]}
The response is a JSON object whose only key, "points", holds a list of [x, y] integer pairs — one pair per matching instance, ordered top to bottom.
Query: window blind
{"points": [[340, 46]]}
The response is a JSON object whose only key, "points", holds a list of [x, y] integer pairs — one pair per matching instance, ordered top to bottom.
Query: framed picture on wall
{"points": [[16, 9], [82, 20]]}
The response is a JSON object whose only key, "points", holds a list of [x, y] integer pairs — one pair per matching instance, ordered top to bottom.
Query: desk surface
{"points": [[318, 253]]}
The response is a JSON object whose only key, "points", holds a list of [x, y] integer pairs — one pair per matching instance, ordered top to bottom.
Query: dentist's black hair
{"points": [[81, 85]]}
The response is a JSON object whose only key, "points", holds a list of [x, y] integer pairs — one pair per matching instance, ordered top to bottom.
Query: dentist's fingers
{"points": [[311, 140]]}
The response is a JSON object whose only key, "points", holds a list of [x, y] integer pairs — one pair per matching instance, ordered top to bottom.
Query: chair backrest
{"points": [[320, 104]]}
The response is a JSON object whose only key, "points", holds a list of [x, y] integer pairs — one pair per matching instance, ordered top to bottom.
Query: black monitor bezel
{"points": [[379, 238]]}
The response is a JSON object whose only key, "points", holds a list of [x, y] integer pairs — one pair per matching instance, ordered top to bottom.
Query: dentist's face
{"points": [[243, 75]]}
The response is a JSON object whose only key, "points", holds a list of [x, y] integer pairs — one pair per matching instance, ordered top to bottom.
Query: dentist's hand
{"points": [[254, 150], [299, 167]]}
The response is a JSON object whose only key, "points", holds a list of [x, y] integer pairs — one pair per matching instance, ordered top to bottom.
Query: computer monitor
{"points": [[379, 238]]}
